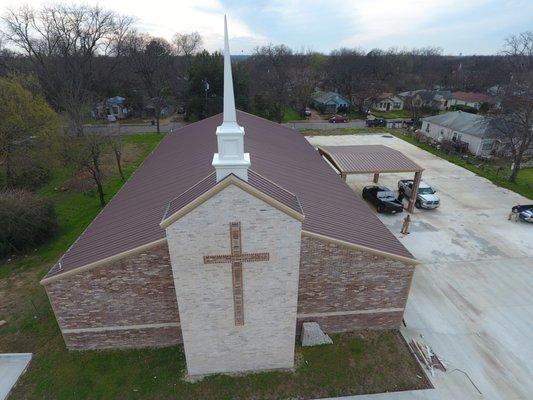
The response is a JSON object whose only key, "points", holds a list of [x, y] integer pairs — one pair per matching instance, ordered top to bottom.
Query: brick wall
{"points": [[339, 288], [344, 289], [94, 307]]}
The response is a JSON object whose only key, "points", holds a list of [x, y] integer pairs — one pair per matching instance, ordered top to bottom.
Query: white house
{"points": [[387, 102], [479, 132]]}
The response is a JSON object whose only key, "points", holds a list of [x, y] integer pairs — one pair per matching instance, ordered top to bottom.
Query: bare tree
{"points": [[62, 42], [187, 45], [152, 61], [272, 65], [515, 117], [115, 140], [85, 153]]}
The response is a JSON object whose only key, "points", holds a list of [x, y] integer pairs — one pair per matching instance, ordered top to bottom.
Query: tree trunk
{"points": [[157, 115], [118, 157], [516, 169], [9, 173], [97, 175], [100, 191]]}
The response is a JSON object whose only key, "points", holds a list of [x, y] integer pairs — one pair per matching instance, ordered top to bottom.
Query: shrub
{"points": [[29, 174], [25, 220]]}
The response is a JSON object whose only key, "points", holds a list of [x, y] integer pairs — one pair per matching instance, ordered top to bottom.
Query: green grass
{"points": [[393, 114], [291, 115], [523, 185], [76, 210], [363, 362]]}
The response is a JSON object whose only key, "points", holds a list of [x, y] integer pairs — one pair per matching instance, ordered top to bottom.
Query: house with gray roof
{"points": [[433, 99], [329, 102], [480, 132]]}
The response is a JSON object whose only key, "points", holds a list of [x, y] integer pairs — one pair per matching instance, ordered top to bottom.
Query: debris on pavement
{"points": [[426, 356]]}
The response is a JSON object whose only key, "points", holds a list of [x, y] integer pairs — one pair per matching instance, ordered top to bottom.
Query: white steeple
{"points": [[231, 158]]}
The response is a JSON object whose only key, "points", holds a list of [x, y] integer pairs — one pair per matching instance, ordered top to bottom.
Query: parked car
{"points": [[307, 112], [338, 118], [376, 122], [426, 197], [383, 198], [525, 212]]}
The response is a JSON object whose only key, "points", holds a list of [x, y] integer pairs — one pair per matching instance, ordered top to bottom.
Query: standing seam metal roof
{"points": [[182, 159], [368, 159]]}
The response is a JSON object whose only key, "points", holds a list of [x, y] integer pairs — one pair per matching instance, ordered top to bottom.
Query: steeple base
{"points": [[239, 168]]}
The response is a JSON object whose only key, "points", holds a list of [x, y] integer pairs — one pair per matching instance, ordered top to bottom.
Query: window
{"points": [[427, 127], [456, 137], [486, 146]]}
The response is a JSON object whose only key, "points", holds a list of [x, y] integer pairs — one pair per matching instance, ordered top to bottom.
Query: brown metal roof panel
{"points": [[368, 159], [295, 172]]}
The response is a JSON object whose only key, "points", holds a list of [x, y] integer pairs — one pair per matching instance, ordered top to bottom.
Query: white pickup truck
{"points": [[426, 197]]}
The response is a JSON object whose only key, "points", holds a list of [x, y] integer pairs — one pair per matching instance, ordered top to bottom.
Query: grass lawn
{"points": [[393, 114], [291, 115], [523, 185], [361, 362]]}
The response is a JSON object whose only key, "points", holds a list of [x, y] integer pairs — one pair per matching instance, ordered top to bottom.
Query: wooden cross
{"points": [[236, 258]]}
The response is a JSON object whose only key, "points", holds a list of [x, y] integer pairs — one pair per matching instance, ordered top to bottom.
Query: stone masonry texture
{"points": [[336, 279], [136, 290], [212, 340]]}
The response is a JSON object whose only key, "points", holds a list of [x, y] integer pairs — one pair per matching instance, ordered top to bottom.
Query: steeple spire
{"points": [[229, 97], [231, 158]]}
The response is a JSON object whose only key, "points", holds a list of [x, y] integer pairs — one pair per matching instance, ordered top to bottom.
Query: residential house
{"points": [[472, 99], [438, 100], [329, 102], [387, 102], [112, 108], [479, 132]]}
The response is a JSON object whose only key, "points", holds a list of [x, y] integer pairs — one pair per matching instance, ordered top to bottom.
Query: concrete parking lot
{"points": [[472, 296], [12, 366]]}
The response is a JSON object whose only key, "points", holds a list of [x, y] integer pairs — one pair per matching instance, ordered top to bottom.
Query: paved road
{"points": [[357, 123], [127, 129], [472, 298], [11, 367]]}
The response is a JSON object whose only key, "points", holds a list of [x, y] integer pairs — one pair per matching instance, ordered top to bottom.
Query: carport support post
{"points": [[376, 178], [414, 191]]}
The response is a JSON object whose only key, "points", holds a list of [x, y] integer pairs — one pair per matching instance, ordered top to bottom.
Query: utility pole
{"points": [[206, 89]]}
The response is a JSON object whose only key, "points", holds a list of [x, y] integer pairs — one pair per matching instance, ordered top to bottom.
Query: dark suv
{"points": [[376, 122], [383, 198]]}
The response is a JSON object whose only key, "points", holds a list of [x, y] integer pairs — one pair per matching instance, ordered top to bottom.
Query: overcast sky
{"points": [[457, 26]]}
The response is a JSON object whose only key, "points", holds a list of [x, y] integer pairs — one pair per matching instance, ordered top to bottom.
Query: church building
{"points": [[229, 236]]}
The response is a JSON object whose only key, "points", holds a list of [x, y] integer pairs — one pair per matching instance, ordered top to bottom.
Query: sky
{"points": [[456, 26]]}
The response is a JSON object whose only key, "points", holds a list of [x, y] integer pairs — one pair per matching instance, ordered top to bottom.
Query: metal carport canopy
{"points": [[372, 159]]}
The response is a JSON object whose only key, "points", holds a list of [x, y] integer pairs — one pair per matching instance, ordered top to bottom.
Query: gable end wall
{"points": [[345, 289], [127, 303]]}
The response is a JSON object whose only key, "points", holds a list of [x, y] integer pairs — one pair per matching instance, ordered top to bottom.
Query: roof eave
{"points": [[229, 180]]}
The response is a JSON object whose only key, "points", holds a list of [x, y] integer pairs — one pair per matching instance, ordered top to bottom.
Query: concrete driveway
{"points": [[472, 298], [11, 367]]}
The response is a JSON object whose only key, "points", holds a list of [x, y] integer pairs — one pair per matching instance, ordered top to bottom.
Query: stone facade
{"points": [[344, 289], [132, 302], [127, 303], [213, 339]]}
